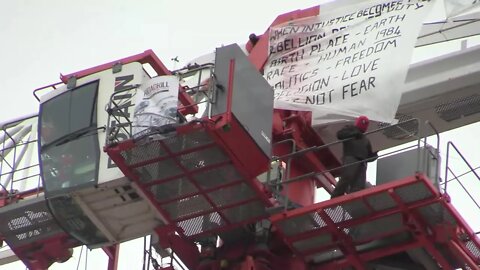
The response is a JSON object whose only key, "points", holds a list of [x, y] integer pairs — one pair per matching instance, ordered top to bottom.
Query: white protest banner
{"points": [[456, 7], [347, 61], [156, 104]]}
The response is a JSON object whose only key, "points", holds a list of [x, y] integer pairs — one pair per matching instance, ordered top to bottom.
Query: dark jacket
{"points": [[358, 145]]}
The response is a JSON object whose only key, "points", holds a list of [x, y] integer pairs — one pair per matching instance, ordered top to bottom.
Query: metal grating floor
{"points": [[193, 182], [26, 222], [322, 231], [474, 249]]}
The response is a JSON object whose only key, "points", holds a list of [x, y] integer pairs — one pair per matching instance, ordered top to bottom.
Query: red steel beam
{"points": [[349, 197], [362, 220], [464, 226], [419, 230], [346, 244], [458, 250], [112, 253], [369, 256]]}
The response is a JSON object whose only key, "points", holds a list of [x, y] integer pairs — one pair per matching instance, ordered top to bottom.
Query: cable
{"points": [[144, 251], [149, 252], [79, 257], [86, 258]]}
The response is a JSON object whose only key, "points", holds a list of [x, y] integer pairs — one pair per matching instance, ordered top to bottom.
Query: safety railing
{"points": [[198, 82], [45, 89], [19, 165], [450, 175], [275, 184], [168, 260]]}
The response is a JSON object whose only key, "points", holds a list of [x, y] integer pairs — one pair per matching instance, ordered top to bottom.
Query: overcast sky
{"points": [[41, 39]]}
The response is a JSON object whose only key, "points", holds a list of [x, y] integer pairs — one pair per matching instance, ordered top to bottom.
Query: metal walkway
{"points": [[195, 181], [358, 228]]}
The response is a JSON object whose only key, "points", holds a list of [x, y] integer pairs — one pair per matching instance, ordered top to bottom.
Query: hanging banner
{"points": [[457, 7], [347, 61], [156, 104]]}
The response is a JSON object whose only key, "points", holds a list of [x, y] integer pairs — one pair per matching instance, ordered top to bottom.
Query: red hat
{"points": [[362, 123]]}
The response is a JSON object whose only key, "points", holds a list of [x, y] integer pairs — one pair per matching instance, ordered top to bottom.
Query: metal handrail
{"points": [[192, 68], [53, 86], [116, 108], [18, 141], [320, 147], [317, 148], [437, 154], [447, 169], [312, 174], [462, 174], [468, 193]]}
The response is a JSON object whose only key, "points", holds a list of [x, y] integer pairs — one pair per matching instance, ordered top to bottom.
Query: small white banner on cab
{"points": [[347, 61], [156, 103]]}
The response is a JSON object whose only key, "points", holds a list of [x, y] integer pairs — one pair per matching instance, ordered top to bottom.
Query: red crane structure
{"points": [[230, 185]]}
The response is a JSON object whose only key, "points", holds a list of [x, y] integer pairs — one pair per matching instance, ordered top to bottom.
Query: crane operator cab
{"points": [[69, 139], [86, 192]]}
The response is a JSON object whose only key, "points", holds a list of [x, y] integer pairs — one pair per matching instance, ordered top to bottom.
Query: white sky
{"points": [[41, 39]]}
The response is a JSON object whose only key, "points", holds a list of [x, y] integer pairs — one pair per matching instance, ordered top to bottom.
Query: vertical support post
{"points": [[231, 72], [226, 119], [419, 231], [345, 242], [455, 247], [112, 253]]}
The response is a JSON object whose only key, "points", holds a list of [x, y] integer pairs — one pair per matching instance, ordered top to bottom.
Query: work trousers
{"points": [[353, 177]]}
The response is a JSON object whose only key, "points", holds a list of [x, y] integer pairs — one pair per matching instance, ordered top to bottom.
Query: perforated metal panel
{"points": [[458, 108], [401, 130], [187, 141], [154, 149], [143, 153], [202, 158], [158, 170], [217, 177], [172, 189], [414, 192], [231, 194], [381, 201], [187, 206], [356, 208], [244, 212], [436, 213], [337, 214], [26, 222], [369, 222], [201, 224], [300, 224], [376, 228], [313, 242], [474, 249]]}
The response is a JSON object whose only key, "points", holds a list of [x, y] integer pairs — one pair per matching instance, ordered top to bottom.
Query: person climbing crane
{"points": [[357, 151]]}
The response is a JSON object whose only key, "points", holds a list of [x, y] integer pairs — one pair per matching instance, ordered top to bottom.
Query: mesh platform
{"points": [[193, 181], [364, 220], [26, 222], [474, 249]]}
